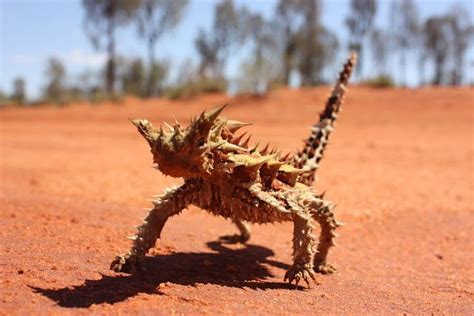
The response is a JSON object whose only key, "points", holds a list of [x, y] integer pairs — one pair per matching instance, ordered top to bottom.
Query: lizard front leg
{"points": [[169, 204], [303, 252]]}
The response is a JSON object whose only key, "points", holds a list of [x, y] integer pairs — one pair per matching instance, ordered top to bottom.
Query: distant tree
{"points": [[155, 17], [102, 19], [288, 19], [359, 23], [405, 29], [228, 30], [436, 32], [462, 33], [227, 34], [307, 46], [310, 46], [317, 46], [380, 49], [208, 50], [317, 52], [422, 58], [261, 69], [187, 72], [157, 75], [134, 78], [87, 81], [189, 82], [55, 90], [19, 91], [75, 93], [3, 99]]}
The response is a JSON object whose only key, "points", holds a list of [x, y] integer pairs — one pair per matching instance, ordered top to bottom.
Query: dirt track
{"points": [[75, 180]]}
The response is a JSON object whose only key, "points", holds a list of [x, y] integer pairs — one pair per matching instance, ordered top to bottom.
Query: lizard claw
{"points": [[128, 263], [325, 268], [298, 272]]}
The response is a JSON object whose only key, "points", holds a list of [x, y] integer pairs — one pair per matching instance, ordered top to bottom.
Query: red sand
{"points": [[75, 180]]}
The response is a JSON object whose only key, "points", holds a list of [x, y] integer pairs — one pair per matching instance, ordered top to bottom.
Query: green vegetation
{"points": [[381, 81], [193, 88], [18, 96]]}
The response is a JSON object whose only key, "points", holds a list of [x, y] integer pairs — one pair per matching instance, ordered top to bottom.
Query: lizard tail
{"points": [[309, 157]]}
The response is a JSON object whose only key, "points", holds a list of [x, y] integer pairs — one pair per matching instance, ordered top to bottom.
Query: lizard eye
{"points": [[201, 142]]}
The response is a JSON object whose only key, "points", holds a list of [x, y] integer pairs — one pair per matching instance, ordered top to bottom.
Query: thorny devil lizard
{"points": [[225, 177]]}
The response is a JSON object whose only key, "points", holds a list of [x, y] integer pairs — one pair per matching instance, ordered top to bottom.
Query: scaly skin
{"points": [[225, 177], [170, 203]]}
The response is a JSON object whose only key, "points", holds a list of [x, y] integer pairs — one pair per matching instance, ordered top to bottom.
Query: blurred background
{"points": [[62, 51]]}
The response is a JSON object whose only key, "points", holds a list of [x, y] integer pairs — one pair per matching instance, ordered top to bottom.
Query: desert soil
{"points": [[74, 182]]}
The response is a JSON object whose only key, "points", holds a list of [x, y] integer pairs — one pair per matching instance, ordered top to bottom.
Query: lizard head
{"points": [[191, 151]]}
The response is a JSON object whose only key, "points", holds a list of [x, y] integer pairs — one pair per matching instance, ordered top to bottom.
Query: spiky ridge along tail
{"points": [[309, 157]]}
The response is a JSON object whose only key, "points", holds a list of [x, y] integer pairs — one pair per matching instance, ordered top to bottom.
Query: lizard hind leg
{"points": [[322, 212], [243, 237]]}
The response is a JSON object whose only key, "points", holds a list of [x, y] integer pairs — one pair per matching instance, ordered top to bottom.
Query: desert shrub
{"points": [[257, 77], [134, 78], [156, 78], [381, 81], [211, 85], [198, 86], [55, 90], [178, 92], [75, 94], [98, 95], [18, 97], [3, 99], [38, 102]]}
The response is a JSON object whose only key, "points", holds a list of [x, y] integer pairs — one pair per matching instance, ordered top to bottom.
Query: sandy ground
{"points": [[75, 180]]}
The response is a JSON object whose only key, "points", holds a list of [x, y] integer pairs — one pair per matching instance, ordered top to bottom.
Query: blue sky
{"points": [[33, 30]]}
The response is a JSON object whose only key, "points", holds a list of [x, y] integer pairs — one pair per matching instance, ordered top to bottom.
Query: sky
{"points": [[31, 31]]}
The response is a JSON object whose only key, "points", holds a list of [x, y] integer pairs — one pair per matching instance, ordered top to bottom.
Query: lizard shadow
{"points": [[226, 267]]}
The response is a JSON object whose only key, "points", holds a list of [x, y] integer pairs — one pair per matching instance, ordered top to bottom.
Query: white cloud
{"points": [[75, 57], [81, 58], [25, 59]]}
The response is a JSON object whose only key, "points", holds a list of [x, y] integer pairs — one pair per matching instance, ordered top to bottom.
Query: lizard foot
{"points": [[234, 239], [128, 263], [324, 268], [298, 272]]}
